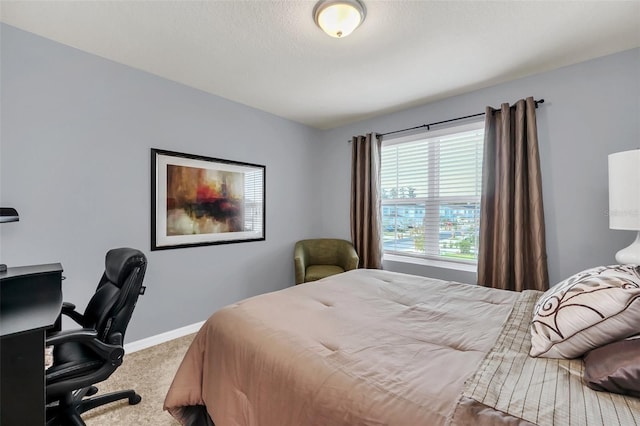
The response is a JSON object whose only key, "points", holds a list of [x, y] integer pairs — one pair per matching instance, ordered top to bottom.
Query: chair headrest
{"points": [[120, 262]]}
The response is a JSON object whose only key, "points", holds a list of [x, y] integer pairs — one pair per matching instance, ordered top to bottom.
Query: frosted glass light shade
{"points": [[338, 18], [624, 200]]}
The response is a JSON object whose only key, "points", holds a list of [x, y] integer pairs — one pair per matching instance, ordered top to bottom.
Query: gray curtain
{"points": [[365, 200], [512, 249]]}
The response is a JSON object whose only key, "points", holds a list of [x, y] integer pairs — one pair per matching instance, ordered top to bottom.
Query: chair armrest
{"points": [[348, 257], [300, 262], [68, 306], [69, 309], [89, 337]]}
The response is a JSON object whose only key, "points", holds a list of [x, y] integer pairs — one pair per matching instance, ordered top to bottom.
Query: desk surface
{"points": [[30, 298]]}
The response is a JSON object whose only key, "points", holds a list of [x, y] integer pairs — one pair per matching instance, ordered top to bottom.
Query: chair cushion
{"points": [[316, 272], [72, 359]]}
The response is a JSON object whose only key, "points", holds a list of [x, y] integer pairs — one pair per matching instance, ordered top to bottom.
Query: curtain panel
{"points": [[366, 201], [512, 248]]}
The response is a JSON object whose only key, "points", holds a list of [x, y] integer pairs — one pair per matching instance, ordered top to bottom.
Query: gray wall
{"points": [[591, 109], [75, 162]]}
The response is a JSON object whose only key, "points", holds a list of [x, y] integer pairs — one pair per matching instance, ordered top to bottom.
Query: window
{"points": [[431, 188], [254, 201]]}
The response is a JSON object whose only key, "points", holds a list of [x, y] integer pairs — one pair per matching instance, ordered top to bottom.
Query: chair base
{"points": [[67, 411]]}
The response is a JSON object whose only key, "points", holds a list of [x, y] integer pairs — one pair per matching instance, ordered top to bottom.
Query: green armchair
{"points": [[319, 258]]}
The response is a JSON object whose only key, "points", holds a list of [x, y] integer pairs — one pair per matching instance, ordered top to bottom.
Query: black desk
{"points": [[30, 302]]}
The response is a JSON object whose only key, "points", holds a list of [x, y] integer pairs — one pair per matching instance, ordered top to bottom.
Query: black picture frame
{"points": [[198, 200]]}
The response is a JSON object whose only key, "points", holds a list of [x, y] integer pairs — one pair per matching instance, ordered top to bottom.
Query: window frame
{"points": [[430, 201]]}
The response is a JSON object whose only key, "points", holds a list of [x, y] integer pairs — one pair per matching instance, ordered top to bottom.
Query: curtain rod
{"points": [[428, 126]]}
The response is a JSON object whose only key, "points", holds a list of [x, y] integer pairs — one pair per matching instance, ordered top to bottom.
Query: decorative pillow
{"points": [[587, 310], [614, 367]]}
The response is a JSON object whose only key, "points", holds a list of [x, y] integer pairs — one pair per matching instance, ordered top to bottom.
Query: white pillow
{"points": [[587, 310]]}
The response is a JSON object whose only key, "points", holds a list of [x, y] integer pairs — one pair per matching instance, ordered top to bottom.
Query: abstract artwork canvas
{"points": [[199, 200]]}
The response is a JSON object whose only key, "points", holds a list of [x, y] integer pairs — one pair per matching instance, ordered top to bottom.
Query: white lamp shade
{"points": [[338, 18], [624, 190]]}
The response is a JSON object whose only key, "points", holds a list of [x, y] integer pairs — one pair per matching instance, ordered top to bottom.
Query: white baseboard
{"points": [[162, 337]]}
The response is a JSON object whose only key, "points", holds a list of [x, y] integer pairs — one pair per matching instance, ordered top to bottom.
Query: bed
{"points": [[371, 347]]}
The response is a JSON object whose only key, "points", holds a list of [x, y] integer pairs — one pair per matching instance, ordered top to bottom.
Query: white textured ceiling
{"points": [[271, 56]]}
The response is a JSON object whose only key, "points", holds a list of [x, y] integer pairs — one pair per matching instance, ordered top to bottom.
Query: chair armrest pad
{"points": [[68, 306], [78, 335], [88, 337]]}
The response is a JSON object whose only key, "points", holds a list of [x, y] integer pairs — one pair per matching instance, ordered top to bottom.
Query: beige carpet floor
{"points": [[149, 372]]}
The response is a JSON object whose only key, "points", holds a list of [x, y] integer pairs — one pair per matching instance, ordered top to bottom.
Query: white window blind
{"points": [[431, 193], [253, 201]]}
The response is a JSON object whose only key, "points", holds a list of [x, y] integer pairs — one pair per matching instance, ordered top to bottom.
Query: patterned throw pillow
{"points": [[587, 310]]}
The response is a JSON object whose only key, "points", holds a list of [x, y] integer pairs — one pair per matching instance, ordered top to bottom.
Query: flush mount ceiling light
{"points": [[339, 18]]}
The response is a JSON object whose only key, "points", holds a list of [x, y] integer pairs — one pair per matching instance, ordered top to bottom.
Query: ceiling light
{"points": [[339, 18]]}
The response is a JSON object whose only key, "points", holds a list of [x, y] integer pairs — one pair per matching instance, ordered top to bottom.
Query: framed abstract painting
{"points": [[197, 200]]}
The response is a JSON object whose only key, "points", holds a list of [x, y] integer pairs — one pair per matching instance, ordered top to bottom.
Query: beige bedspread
{"points": [[366, 347]]}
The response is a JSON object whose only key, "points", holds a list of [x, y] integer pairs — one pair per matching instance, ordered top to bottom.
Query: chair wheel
{"points": [[92, 391], [135, 399]]}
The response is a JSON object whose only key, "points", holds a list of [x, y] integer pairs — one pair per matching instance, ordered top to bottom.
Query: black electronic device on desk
{"points": [[7, 214], [30, 303]]}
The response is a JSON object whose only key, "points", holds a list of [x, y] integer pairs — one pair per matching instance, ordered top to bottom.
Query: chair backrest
{"points": [[324, 251], [111, 307]]}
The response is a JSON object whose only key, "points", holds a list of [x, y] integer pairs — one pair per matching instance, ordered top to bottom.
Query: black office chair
{"points": [[84, 357]]}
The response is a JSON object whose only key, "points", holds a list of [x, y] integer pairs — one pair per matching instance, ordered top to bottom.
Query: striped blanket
{"points": [[541, 391]]}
